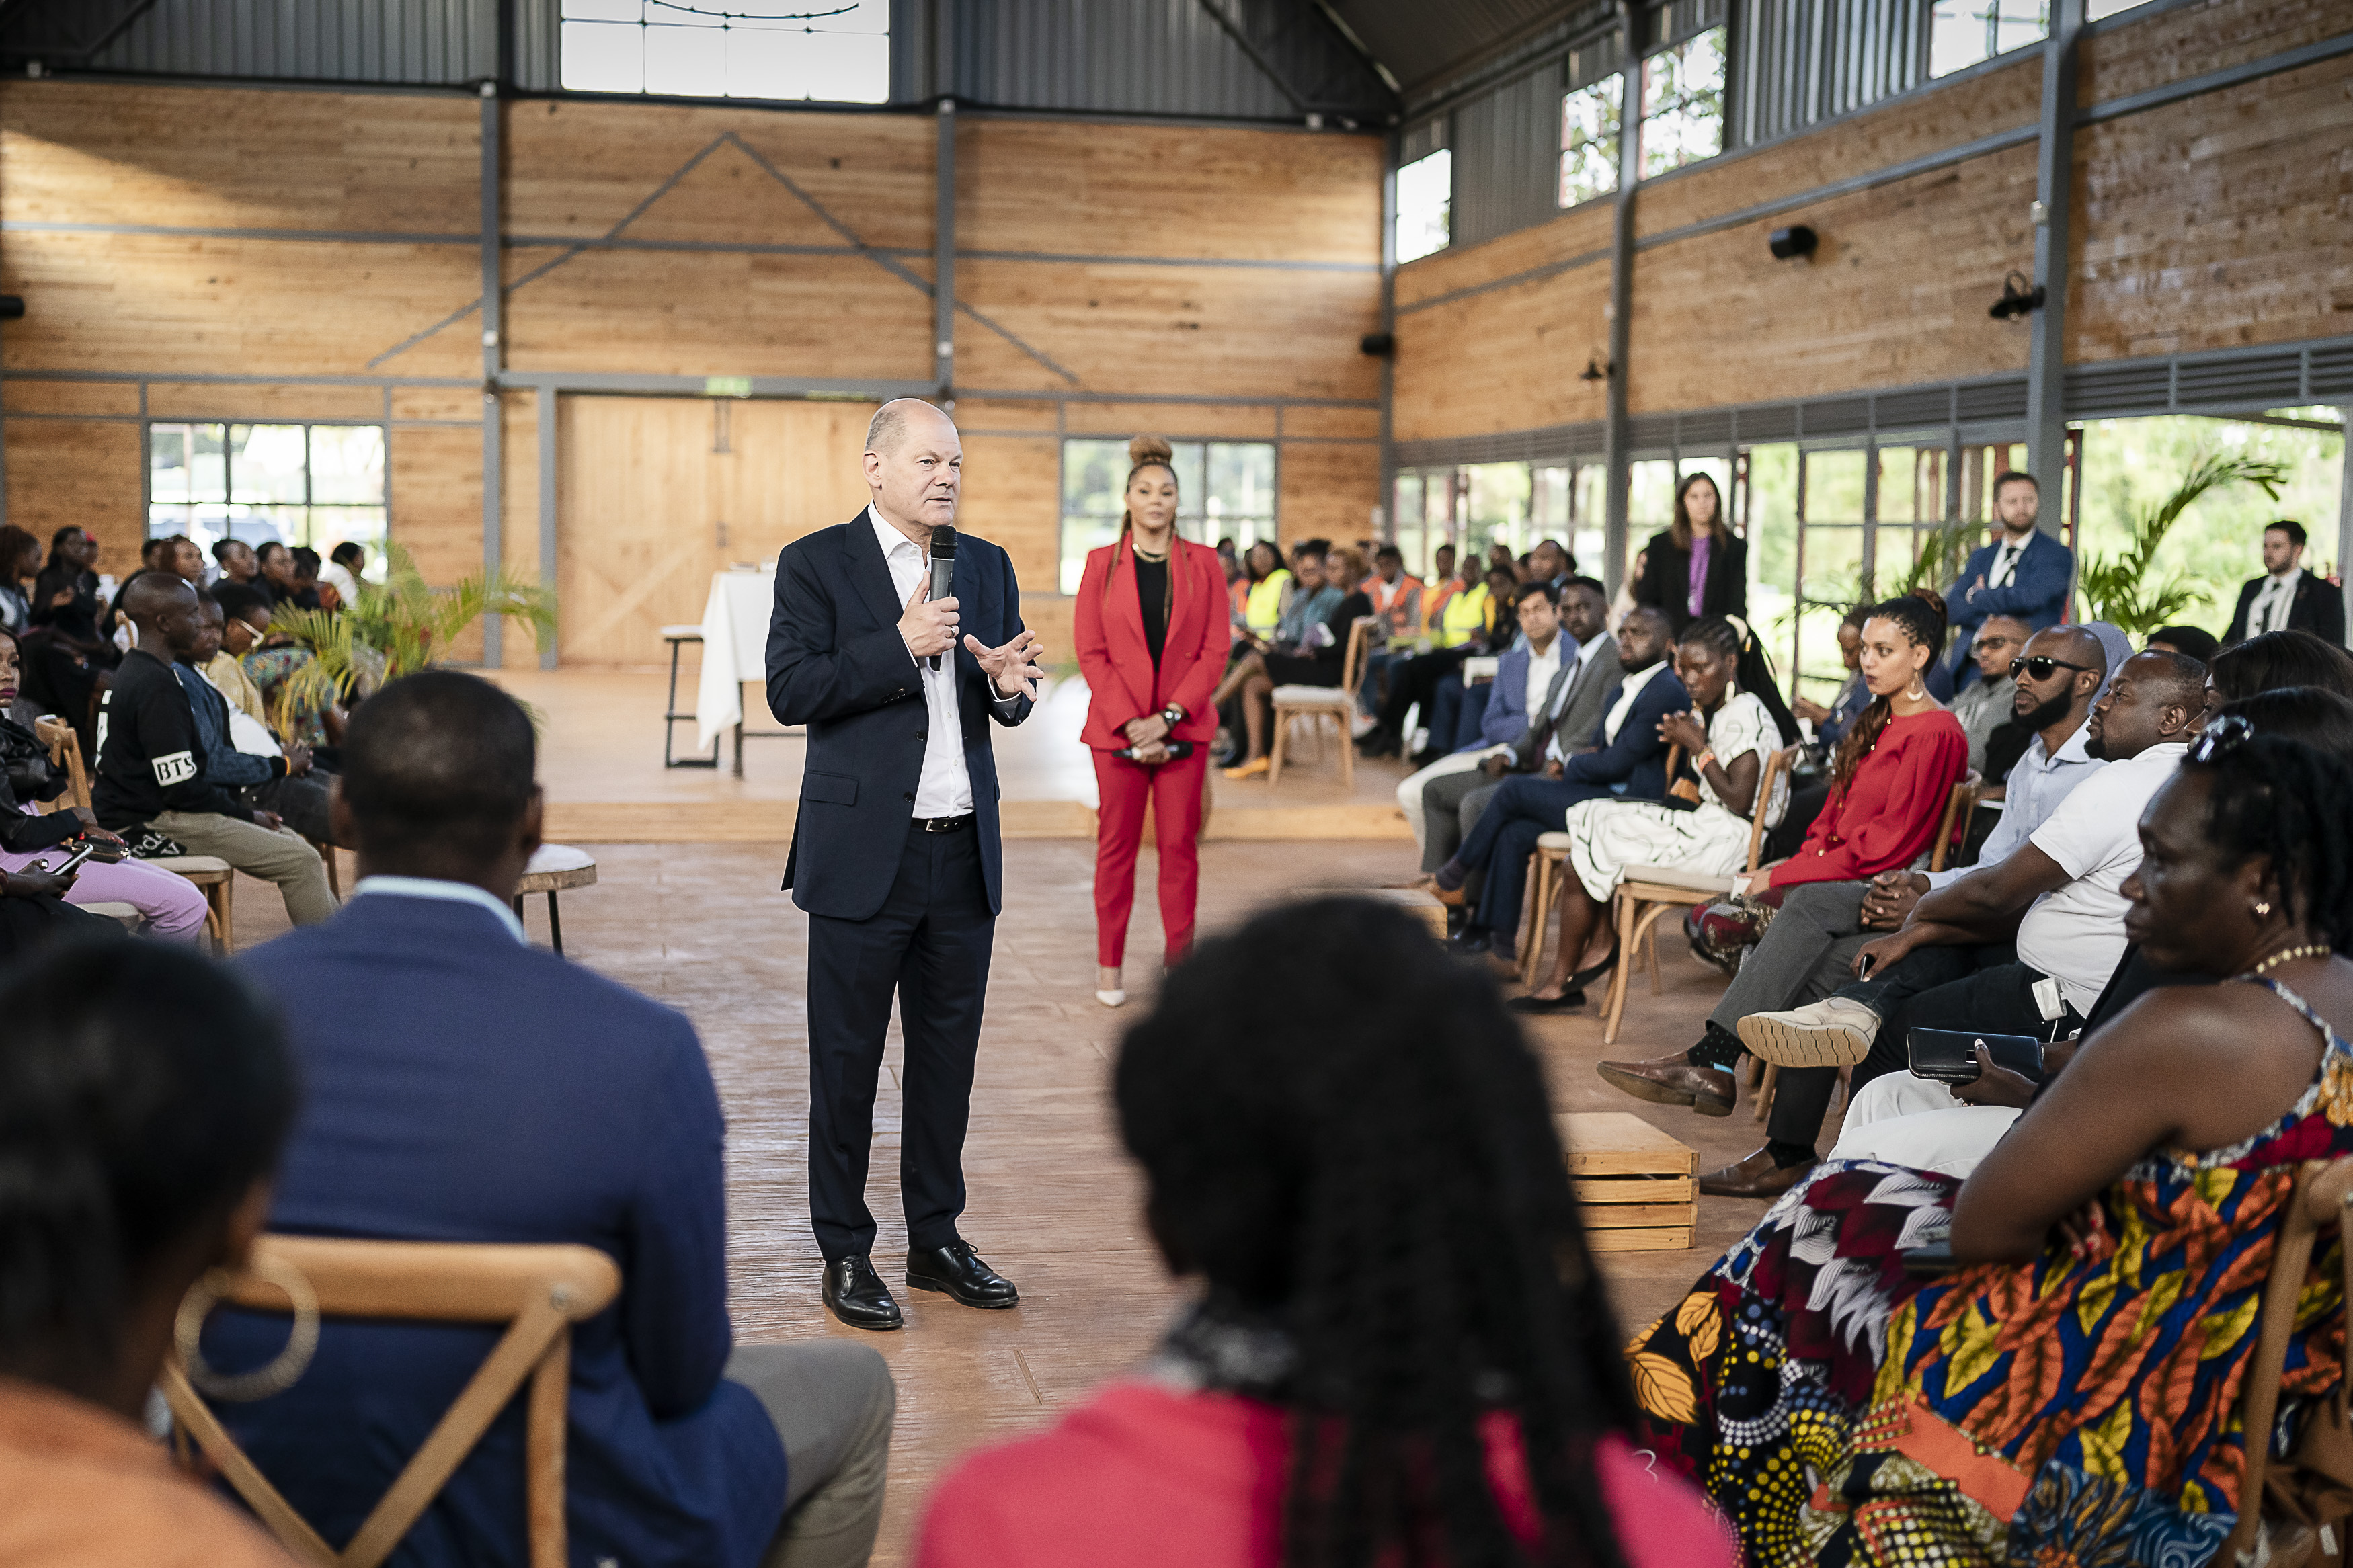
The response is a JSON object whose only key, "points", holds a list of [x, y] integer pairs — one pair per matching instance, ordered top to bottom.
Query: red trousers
{"points": [[1175, 791]]}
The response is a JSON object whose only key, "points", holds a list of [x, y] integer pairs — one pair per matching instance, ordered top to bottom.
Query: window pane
{"points": [[604, 10], [2020, 23], [604, 57], [686, 62], [838, 68], [1682, 103], [1588, 142], [1425, 189], [1192, 458], [167, 463], [266, 463], [347, 463], [1094, 473], [1242, 479], [163, 522], [258, 525], [334, 525]]}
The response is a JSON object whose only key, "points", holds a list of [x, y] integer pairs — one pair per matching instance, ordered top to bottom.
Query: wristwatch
{"points": [[1173, 715]]}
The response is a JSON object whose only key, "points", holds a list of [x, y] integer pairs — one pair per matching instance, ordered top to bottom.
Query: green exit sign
{"points": [[726, 387]]}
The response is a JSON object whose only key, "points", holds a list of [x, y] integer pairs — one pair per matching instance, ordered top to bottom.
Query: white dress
{"points": [[1605, 837]]}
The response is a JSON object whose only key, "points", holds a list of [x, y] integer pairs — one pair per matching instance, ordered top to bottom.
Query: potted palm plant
{"points": [[2125, 590]]}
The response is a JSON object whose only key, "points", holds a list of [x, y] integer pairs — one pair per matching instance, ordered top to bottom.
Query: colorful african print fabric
{"points": [[2060, 1414]]}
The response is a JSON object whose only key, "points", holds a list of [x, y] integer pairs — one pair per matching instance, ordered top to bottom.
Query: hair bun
{"points": [[1150, 449]]}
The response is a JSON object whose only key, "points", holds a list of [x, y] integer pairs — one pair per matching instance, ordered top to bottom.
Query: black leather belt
{"points": [[943, 824]]}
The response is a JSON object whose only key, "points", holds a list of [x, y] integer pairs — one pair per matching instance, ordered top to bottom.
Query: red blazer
{"points": [[1107, 624]]}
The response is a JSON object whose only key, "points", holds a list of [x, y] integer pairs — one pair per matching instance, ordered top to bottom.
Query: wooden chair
{"points": [[1337, 703], [65, 751], [1960, 810], [208, 872], [1543, 885], [537, 1291]]}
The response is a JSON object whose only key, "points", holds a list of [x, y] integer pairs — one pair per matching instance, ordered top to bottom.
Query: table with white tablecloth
{"points": [[735, 650]]}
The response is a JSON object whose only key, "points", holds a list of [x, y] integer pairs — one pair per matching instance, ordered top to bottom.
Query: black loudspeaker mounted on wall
{"points": [[1795, 240], [12, 307], [1380, 345]]}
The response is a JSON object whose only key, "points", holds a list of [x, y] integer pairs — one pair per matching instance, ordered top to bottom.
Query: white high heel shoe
{"points": [[1114, 995]]}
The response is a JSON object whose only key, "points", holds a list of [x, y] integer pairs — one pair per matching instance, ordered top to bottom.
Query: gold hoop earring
{"points": [[1916, 693], [290, 1364]]}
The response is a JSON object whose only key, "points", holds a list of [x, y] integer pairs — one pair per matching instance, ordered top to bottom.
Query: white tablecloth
{"points": [[734, 646]]}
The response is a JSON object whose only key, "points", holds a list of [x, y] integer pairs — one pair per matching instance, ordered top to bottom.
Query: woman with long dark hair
{"points": [[20, 561], [1698, 566], [1151, 629], [1402, 1349]]}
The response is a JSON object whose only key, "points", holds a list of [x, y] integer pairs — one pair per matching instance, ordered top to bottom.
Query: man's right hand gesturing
{"points": [[929, 626]]}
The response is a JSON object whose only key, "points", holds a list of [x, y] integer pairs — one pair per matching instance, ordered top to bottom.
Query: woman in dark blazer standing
{"points": [[1697, 567], [1152, 625]]}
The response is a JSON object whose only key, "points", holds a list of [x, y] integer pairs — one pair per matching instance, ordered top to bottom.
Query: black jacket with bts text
{"points": [[150, 758]]}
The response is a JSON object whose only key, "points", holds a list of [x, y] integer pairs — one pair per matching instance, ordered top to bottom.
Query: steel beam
{"points": [[944, 256], [1621, 298], [493, 359], [2046, 368], [546, 412], [2345, 510]]}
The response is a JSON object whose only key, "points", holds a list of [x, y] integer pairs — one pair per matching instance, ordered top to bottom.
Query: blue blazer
{"points": [[2036, 594], [837, 664], [1638, 757], [462, 1087]]}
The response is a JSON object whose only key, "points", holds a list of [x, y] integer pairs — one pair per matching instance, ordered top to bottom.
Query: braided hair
{"points": [[1923, 626], [1729, 636], [2285, 800], [143, 1091], [1375, 1165]]}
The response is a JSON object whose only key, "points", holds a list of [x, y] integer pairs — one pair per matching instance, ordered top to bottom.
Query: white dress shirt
{"points": [[2005, 560], [2275, 603], [1586, 651], [1541, 668], [1625, 703], [945, 788], [451, 892]]}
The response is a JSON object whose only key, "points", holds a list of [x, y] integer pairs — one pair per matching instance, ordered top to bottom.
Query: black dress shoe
{"points": [[1471, 940], [1568, 1001], [957, 1269], [856, 1294]]}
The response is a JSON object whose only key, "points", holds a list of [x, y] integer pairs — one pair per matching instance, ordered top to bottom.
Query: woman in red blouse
{"points": [[1152, 631], [1402, 1350]]}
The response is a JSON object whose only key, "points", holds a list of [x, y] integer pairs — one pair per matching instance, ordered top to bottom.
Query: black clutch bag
{"points": [[1950, 1055]]}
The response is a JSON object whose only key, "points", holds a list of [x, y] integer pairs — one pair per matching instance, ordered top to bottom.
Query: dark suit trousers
{"points": [[1523, 808], [930, 944]]}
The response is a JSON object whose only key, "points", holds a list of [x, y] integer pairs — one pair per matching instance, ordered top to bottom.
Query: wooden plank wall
{"points": [[320, 246]]}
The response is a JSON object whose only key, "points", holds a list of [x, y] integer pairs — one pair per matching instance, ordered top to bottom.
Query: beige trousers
{"points": [[279, 856]]}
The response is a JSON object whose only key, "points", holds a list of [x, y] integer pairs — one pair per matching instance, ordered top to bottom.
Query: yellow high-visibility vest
{"points": [[1263, 608], [1464, 617]]}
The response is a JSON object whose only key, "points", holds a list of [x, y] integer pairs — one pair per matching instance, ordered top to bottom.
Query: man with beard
{"points": [[1808, 951]]}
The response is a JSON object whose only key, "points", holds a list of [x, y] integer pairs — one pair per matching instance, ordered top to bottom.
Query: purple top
{"points": [[1702, 546]]}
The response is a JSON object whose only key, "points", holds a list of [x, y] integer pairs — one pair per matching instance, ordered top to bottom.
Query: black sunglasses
{"points": [[2040, 666], [2222, 737]]}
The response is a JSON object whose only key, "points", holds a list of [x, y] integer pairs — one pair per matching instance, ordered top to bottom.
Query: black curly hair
{"points": [[1922, 625], [2286, 801], [1375, 1164]]}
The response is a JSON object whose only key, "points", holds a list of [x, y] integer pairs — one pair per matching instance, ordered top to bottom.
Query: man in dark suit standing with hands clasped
{"points": [[895, 852]]}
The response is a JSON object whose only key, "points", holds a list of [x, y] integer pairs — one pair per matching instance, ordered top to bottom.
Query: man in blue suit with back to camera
{"points": [[2024, 572], [895, 851], [461, 1085]]}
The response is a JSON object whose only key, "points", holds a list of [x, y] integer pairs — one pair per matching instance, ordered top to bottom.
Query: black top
{"points": [[1666, 582], [1152, 598], [150, 758], [25, 779]]}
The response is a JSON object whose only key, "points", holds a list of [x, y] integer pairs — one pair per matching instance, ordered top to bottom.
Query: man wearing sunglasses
{"points": [[2023, 573], [1987, 704]]}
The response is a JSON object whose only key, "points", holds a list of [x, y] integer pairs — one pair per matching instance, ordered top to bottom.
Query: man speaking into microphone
{"points": [[895, 852]]}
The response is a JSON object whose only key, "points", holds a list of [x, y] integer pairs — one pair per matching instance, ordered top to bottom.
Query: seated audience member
{"points": [[235, 561], [20, 562], [342, 573], [277, 577], [306, 578], [1396, 594], [1462, 622], [2198, 644], [1311, 647], [76, 651], [2276, 660], [1989, 702], [1534, 712], [296, 715], [1736, 723], [1830, 723], [1626, 755], [271, 777], [151, 779], [171, 905], [2023, 946], [465, 1086], [144, 1096], [1901, 1118], [1400, 1349], [2071, 1395]]}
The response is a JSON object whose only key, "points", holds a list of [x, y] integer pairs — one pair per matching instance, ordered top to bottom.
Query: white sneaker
{"points": [[1832, 1032]]}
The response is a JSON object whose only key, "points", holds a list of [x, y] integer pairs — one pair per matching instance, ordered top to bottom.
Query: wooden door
{"points": [[655, 494]]}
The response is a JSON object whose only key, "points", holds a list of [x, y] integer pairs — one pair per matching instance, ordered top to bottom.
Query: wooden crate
{"points": [[1418, 903], [1639, 1188]]}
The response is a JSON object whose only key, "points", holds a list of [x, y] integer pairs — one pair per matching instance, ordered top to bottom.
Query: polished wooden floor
{"points": [[1053, 1203]]}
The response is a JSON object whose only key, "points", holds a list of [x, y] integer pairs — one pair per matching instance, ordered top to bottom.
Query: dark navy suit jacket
{"points": [[2036, 594], [837, 664], [1637, 758], [462, 1087]]}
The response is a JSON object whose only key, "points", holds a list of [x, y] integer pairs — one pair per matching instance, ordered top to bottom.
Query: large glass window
{"points": [[1963, 32], [839, 52], [1682, 103], [1588, 142], [1425, 193], [317, 485], [1224, 489]]}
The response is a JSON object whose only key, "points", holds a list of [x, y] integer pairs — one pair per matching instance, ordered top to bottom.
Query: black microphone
{"points": [[943, 568]]}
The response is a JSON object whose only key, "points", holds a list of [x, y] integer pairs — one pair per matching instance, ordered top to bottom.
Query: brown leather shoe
{"points": [[1672, 1080], [1755, 1177]]}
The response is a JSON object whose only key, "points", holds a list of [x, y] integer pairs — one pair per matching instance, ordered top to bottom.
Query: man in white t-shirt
{"points": [[2036, 935]]}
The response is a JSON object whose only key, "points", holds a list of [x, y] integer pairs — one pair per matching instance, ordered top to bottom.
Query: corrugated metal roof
{"points": [[408, 41], [1422, 42]]}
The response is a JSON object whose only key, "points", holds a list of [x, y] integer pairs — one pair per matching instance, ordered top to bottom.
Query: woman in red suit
{"points": [[1152, 626]]}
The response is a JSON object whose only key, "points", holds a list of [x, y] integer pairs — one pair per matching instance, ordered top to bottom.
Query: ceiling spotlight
{"points": [[1795, 240], [2017, 300], [1595, 370]]}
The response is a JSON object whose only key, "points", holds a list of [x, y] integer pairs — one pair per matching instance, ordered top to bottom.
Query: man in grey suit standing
{"points": [[1452, 802]]}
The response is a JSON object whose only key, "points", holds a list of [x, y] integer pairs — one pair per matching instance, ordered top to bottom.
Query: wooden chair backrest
{"points": [[1352, 662], [65, 751], [1780, 763], [1960, 808], [537, 1291]]}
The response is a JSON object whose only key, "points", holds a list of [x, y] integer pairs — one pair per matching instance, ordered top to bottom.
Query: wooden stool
{"points": [[678, 637], [553, 869], [335, 872], [220, 883], [1418, 903], [1536, 903], [1638, 1188]]}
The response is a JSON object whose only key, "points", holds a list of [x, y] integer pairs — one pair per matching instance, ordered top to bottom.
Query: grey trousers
{"points": [[1450, 804], [1807, 953], [833, 1404]]}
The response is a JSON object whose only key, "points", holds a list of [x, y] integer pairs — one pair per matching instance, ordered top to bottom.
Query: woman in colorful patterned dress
{"points": [[2071, 1395]]}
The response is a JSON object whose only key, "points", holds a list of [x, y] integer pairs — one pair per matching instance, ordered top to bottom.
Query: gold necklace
{"points": [[2310, 950]]}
